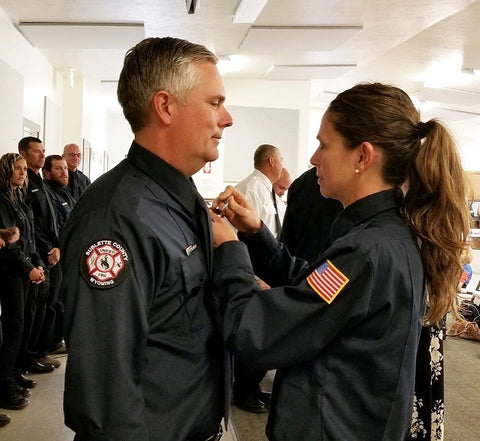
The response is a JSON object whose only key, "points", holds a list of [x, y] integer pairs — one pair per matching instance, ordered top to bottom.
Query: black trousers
{"points": [[13, 297], [33, 316], [51, 328], [246, 381]]}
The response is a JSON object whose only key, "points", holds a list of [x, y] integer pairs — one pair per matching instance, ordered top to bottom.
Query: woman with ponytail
{"points": [[20, 271], [344, 332]]}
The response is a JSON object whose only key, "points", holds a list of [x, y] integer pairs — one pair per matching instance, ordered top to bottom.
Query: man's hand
{"points": [[53, 256]]}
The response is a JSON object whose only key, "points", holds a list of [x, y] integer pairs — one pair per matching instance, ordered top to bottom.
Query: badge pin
{"points": [[190, 249]]}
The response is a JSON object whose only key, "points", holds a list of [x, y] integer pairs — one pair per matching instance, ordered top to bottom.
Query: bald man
{"points": [[77, 181], [280, 187]]}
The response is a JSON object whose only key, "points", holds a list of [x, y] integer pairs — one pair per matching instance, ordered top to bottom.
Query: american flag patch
{"points": [[327, 281]]}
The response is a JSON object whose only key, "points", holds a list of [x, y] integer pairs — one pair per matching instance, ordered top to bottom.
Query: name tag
{"points": [[190, 249]]}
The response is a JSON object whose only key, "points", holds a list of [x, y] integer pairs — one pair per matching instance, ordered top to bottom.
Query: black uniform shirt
{"points": [[77, 183], [62, 201], [46, 230], [21, 256], [144, 357], [345, 369]]}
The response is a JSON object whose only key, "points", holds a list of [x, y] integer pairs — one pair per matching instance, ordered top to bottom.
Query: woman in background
{"points": [[20, 266]]}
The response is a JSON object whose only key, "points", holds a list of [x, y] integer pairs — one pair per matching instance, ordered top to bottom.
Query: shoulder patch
{"points": [[105, 263], [327, 281]]}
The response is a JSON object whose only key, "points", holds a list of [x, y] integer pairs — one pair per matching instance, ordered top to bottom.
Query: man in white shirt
{"points": [[257, 187]]}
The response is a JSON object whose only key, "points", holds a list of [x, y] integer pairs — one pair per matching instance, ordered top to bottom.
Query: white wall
{"points": [[39, 81], [11, 99]]}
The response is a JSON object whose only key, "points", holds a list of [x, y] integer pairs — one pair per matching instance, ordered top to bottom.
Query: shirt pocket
{"points": [[269, 208], [194, 276]]}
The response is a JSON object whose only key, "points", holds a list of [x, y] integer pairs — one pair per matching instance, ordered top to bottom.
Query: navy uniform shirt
{"points": [[342, 333], [144, 356]]}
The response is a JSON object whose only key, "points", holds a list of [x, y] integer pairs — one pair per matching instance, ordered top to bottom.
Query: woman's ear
{"points": [[367, 153]]}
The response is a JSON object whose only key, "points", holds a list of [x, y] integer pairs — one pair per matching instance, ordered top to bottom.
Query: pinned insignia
{"points": [[105, 263], [327, 281]]}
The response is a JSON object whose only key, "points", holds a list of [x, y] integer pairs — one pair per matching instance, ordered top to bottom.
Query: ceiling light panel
{"points": [[248, 11], [83, 35], [305, 38], [307, 72], [448, 96]]}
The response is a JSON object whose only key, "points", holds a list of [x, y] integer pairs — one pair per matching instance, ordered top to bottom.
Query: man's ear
{"points": [[162, 106]]}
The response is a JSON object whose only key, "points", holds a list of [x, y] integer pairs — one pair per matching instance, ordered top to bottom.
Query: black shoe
{"points": [[59, 349], [39, 368], [23, 381], [22, 391], [265, 397], [9, 398], [250, 403], [4, 419]]}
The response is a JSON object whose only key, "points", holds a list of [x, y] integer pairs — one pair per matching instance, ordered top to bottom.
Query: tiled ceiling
{"points": [[335, 43]]}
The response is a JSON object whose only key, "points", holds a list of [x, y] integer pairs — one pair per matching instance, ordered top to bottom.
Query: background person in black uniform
{"points": [[55, 173], [77, 181], [308, 218], [7, 236], [21, 270], [40, 314], [344, 332], [145, 356]]}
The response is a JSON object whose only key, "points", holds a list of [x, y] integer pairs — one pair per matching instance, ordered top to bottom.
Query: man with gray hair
{"points": [[77, 181], [258, 186], [258, 189], [145, 354]]}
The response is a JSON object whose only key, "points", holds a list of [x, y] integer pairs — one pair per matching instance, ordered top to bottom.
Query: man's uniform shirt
{"points": [[77, 183], [144, 355]]}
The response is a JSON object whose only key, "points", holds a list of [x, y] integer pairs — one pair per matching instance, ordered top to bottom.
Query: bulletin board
{"points": [[253, 126]]}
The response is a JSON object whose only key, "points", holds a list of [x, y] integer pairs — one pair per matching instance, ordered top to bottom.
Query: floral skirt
{"points": [[428, 401]]}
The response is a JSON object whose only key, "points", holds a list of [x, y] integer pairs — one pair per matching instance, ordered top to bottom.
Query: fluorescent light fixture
{"points": [[248, 11], [261, 39], [307, 72]]}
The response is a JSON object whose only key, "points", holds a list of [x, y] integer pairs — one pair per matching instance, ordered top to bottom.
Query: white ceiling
{"points": [[335, 43]]}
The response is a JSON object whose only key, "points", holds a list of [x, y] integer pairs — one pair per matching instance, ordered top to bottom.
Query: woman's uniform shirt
{"points": [[22, 255], [342, 333]]}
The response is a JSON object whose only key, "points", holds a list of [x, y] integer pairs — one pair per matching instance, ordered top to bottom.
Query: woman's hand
{"points": [[233, 205], [15, 235], [36, 275]]}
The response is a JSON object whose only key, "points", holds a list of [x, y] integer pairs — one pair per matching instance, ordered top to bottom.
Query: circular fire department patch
{"points": [[105, 263]]}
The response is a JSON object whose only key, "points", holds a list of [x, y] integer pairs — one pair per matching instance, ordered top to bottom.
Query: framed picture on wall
{"points": [[30, 128], [86, 157], [105, 161]]}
